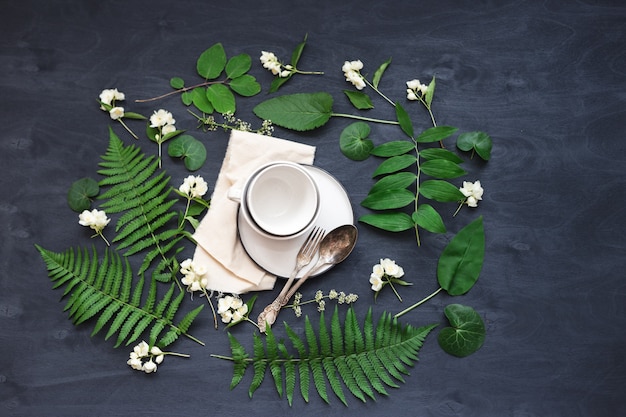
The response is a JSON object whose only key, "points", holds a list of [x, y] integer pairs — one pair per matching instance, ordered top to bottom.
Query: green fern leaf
{"points": [[104, 290], [362, 360]]}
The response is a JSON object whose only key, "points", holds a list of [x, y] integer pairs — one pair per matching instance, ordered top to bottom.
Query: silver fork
{"points": [[303, 258]]}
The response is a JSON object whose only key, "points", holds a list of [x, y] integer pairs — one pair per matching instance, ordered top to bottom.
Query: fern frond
{"points": [[140, 193], [104, 290], [361, 359]]}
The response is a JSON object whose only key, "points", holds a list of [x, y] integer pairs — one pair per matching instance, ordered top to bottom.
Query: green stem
{"points": [[181, 90], [379, 92], [367, 119], [127, 128], [394, 290], [212, 308], [406, 310], [182, 355], [226, 358]]}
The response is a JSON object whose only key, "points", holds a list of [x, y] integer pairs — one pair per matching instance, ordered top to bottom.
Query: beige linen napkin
{"points": [[219, 249]]}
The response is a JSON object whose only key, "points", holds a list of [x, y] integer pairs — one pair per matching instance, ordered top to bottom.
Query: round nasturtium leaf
{"points": [[478, 141], [354, 142], [191, 150], [81, 193], [466, 333]]}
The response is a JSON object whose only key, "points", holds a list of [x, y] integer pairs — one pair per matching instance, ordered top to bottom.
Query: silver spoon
{"points": [[334, 248]]}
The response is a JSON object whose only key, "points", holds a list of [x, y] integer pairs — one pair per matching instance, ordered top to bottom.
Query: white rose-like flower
{"points": [[116, 113], [161, 118], [168, 129], [194, 186], [473, 191], [95, 219], [391, 268], [193, 275], [376, 281], [149, 367]]}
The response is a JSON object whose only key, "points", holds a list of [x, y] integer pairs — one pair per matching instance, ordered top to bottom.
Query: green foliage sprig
{"points": [[104, 289], [367, 360]]}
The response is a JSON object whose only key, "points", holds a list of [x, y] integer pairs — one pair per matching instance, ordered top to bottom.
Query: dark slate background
{"points": [[545, 79]]}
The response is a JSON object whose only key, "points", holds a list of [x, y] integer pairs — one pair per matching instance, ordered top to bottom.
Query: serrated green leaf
{"points": [[211, 62], [238, 66], [378, 74], [245, 85], [221, 98], [359, 99], [301, 111], [436, 134], [479, 141], [354, 142], [393, 148], [191, 150], [394, 164], [442, 168], [395, 181], [440, 190], [81, 193], [388, 199], [427, 218], [391, 222], [462, 259], [466, 334]]}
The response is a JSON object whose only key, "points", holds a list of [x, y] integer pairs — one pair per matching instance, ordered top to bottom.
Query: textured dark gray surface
{"points": [[545, 79]]}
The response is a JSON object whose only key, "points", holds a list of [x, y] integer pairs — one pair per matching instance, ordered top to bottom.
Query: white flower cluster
{"points": [[271, 62], [351, 70], [415, 89], [107, 102], [164, 121], [194, 186], [473, 192], [95, 219], [384, 270], [193, 275], [341, 297], [231, 309], [140, 353]]}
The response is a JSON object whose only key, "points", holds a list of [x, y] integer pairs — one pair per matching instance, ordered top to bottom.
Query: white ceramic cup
{"points": [[279, 200]]}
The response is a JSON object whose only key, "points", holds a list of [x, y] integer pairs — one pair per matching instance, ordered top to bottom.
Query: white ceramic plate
{"points": [[278, 257]]}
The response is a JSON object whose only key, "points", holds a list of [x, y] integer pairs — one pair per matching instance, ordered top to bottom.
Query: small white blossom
{"points": [[270, 62], [351, 70], [415, 89], [109, 95], [116, 113], [161, 118], [194, 186], [473, 192], [95, 219], [391, 269], [193, 275], [377, 282], [231, 309], [141, 352], [149, 367]]}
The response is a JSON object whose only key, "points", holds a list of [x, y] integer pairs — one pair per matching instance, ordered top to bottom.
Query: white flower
{"points": [[271, 62], [351, 71], [413, 88], [108, 96], [116, 113], [161, 118], [168, 129], [194, 186], [473, 192], [95, 219], [391, 269], [193, 275], [377, 282], [231, 309], [149, 367]]}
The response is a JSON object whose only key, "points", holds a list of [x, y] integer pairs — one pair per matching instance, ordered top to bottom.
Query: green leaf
{"points": [[297, 52], [211, 62], [238, 66], [378, 74], [277, 82], [177, 83], [245, 85], [430, 92], [187, 97], [221, 98], [359, 99], [201, 101], [301, 111], [134, 116], [405, 121], [435, 134], [479, 141], [354, 142], [394, 148], [191, 150], [439, 153], [394, 164], [442, 168], [394, 181], [441, 191], [81, 193], [388, 199], [427, 218], [391, 222], [462, 259], [466, 334]]}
